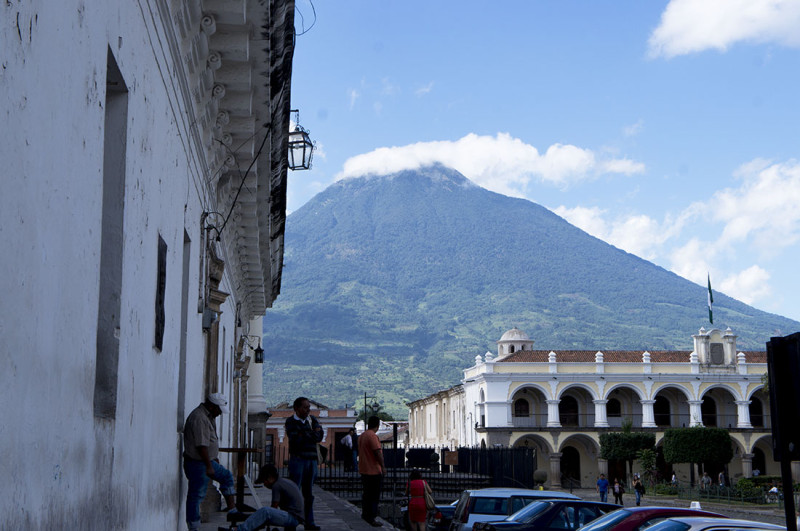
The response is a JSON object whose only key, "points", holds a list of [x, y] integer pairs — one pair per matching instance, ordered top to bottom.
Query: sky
{"points": [[669, 129]]}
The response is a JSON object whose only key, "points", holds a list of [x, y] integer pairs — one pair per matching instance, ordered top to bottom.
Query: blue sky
{"points": [[670, 129]]}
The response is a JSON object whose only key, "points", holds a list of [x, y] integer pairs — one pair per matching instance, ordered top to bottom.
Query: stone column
{"points": [[695, 413], [744, 415], [600, 416], [553, 417], [648, 417], [747, 465], [602, 466], [555, 471]]}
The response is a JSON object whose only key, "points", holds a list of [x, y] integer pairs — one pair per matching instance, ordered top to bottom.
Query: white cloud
{"points": [[689, 26], [388, 88], [424, 89], [353, 94], [633, 129], [501, 163], [763, 211], [756, 221], [637, 234], [749, 286]]}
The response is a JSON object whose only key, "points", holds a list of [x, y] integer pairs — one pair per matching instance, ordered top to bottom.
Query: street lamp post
{"points": [[374, 406]]}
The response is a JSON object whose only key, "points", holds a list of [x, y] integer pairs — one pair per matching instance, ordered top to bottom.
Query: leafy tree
{"points": [[698, 445], [625, 446], [647, 459]]}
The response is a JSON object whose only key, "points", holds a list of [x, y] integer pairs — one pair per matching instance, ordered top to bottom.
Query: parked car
{"points": [[484, 505], [550, 515], [638, 518], [439, 520], [698, 523]]}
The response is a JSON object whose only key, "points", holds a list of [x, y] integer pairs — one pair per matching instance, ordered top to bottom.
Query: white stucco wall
{"points": [[60, 464]]}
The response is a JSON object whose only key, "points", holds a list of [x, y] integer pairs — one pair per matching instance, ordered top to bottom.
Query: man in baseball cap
{"points": [[200, 458]]}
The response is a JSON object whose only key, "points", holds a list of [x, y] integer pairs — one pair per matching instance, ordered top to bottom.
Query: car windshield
{"points": [[489, 505], [528, 512], [607, 521], [669, 525]]}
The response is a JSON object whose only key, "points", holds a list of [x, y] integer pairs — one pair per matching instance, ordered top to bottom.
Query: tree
{"points": [[698, 445], [625, 446], [647, 459]]}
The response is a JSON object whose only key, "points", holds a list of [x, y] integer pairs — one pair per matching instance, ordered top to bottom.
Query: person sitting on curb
{"points": [[286, 509]]}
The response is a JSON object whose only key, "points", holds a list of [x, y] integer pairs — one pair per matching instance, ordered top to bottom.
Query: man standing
{"points": [[304, 433], [347, 443], [200, 458], [371, 467], [722, 479], [602, 488], [287, 503]]}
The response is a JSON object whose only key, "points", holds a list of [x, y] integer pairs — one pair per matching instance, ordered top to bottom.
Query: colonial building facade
{"points": [[144, 161], [560, 402]]}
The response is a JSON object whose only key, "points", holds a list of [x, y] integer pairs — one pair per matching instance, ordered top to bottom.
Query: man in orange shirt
{"points": [[371, 468]]}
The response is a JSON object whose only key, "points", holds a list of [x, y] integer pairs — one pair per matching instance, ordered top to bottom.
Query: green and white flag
{"points": [[710, 301]]}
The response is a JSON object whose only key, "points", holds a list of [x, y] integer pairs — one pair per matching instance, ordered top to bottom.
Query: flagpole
{"points": [[710, 301]]}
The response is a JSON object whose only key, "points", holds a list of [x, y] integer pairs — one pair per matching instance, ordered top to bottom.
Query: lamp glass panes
{"points": [[301, 148]]}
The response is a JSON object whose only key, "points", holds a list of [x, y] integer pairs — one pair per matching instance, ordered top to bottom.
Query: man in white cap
{"points": [[200, 458]]}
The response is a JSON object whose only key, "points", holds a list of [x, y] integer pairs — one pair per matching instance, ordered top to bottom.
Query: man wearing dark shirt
{"points": [[304, 433], [286, 509]]}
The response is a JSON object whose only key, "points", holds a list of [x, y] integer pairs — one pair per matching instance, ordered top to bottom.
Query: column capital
{"points": [[555, 401], [647, 401], [600, 402]]}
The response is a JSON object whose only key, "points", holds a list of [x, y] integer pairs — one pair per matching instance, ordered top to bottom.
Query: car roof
{"points": [[500, 491], [654, 508], [727, 522]]}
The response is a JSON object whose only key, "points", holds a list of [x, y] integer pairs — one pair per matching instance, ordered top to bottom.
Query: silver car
{"points": [[486, 505], [702, 523]]}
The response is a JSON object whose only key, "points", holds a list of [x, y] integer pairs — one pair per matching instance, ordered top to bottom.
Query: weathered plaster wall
{"points": [[60, 464]]}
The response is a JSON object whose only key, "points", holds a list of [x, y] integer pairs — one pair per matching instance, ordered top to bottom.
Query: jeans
{"points": [[304, 472], [198, 484], [371, 496], [604, 496], [271, 516]]}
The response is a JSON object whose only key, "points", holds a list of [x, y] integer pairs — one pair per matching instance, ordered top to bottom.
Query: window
{"points": [[115, 134], [161, 287], [521, 408], [614, 408], [708, 409], [568, 411], [661, 411], [756, 413]]}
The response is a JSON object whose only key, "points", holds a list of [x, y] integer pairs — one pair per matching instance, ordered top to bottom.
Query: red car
{"points": [[639, 518]]}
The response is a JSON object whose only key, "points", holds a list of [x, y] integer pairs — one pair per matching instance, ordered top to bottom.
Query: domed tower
{"points": [[512, 341]]}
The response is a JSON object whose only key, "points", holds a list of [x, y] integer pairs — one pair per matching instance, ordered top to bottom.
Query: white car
{"points": [[488, 505], [702, 523]]}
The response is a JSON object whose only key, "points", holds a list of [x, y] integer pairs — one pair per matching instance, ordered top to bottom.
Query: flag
{"points": [[710, 301]]}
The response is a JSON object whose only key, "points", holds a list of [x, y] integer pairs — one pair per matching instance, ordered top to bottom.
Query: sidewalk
{"points": [[331, 513]]}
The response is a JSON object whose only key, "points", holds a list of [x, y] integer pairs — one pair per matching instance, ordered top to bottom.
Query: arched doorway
{"points": [[708, 410], [568, 411], [662, 412], [756, 413], [759, 461], [570, 467]]}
